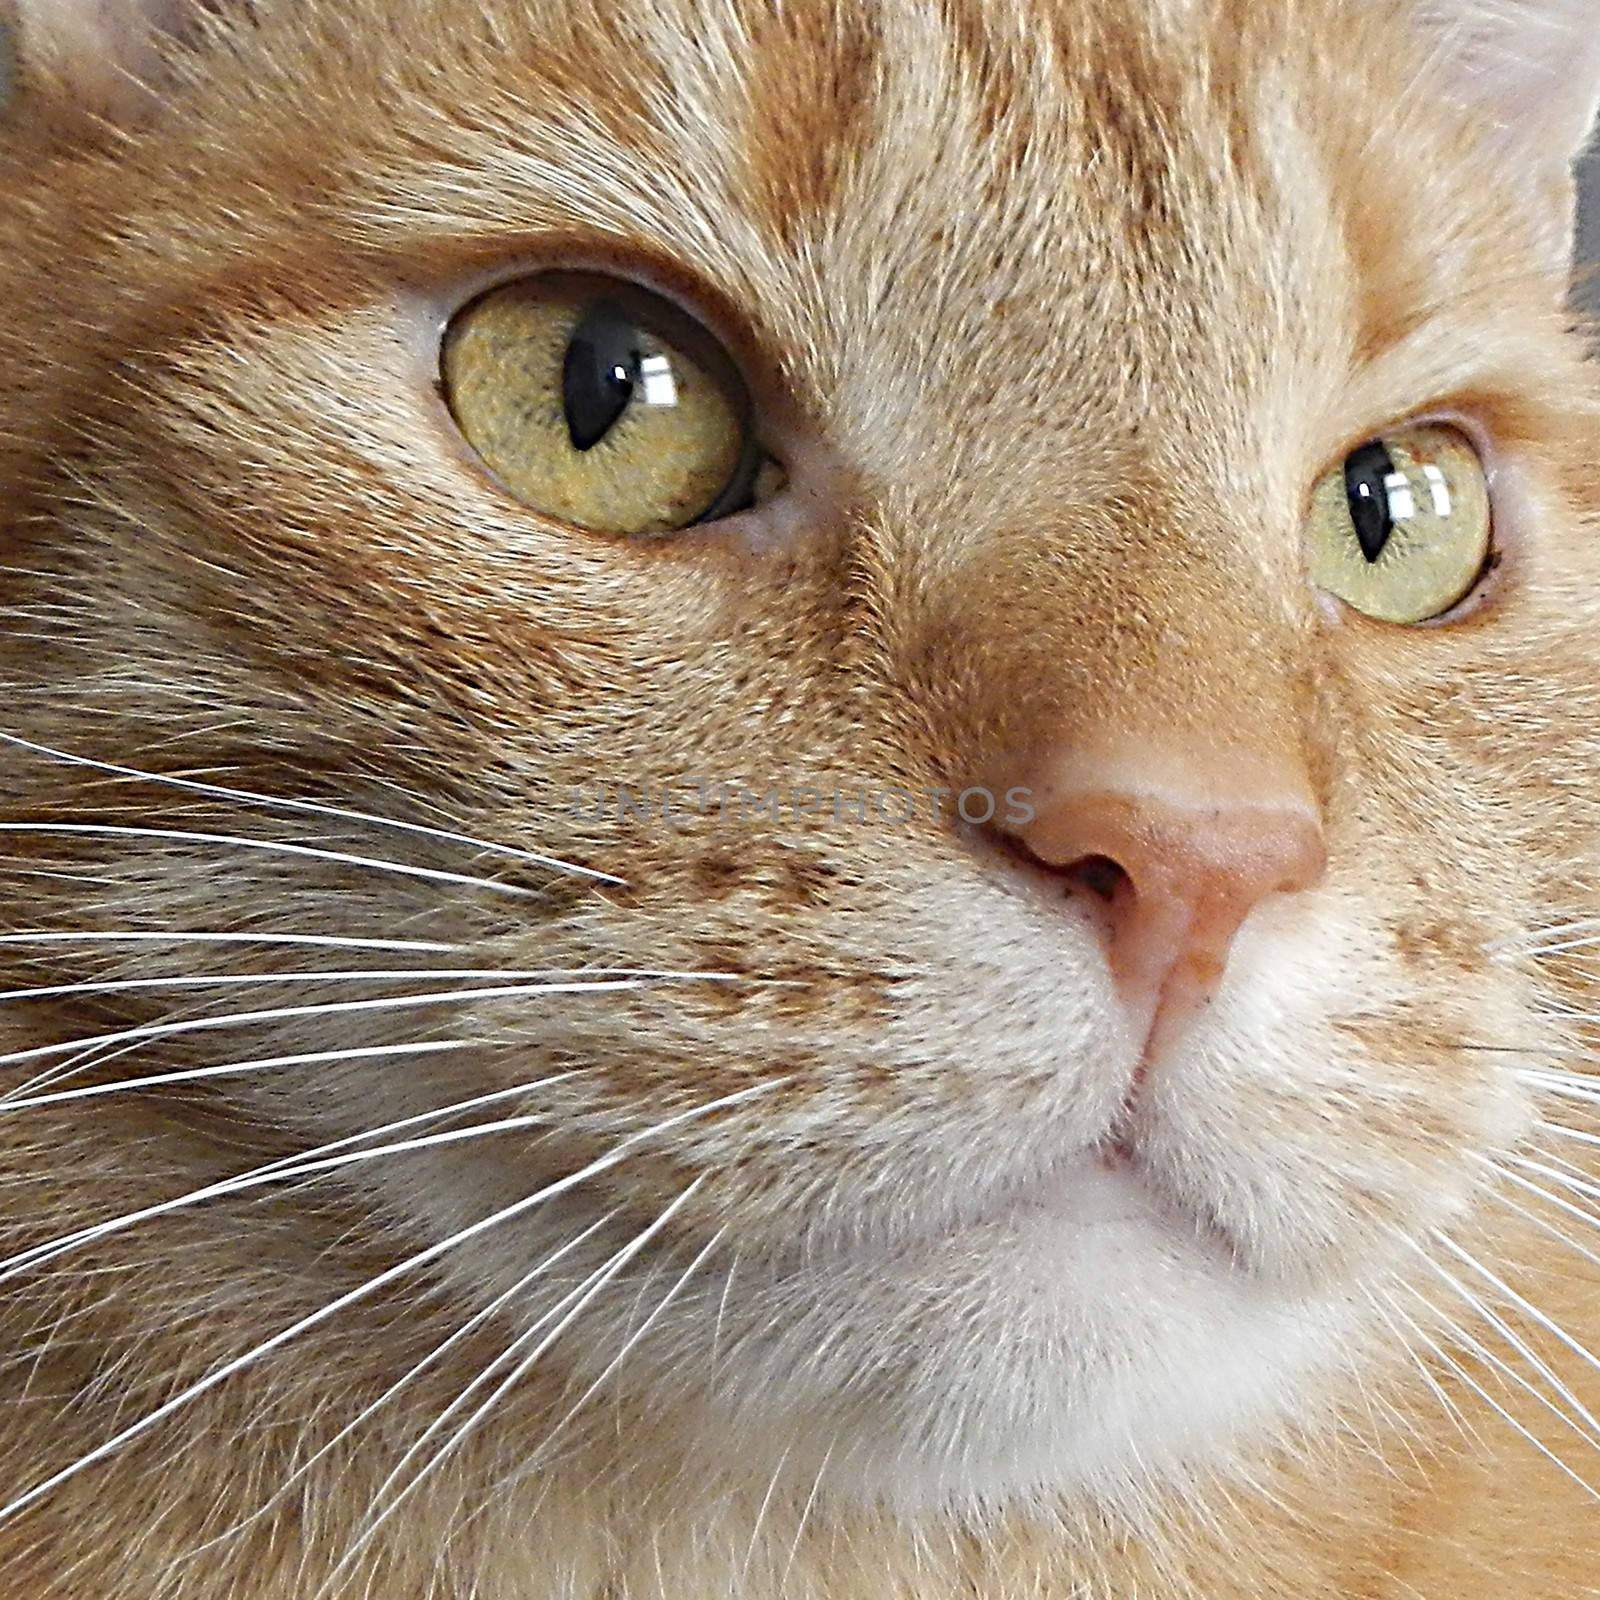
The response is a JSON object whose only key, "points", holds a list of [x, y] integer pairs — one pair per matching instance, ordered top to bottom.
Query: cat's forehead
{"points": [[964, 209], [972, 237]]}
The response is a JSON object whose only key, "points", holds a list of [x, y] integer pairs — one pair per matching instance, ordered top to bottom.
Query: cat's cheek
{"points": [[1336, 1108]]}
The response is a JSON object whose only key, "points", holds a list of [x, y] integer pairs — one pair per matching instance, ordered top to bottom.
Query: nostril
{"points": [[1165, 859], [1103, 877], [1099, 883]]}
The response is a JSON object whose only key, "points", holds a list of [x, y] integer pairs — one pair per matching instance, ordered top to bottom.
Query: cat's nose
{"points": [[1173, 856]]}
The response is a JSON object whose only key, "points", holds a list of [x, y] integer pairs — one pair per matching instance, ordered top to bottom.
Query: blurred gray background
{"points": [[1589, 245]]}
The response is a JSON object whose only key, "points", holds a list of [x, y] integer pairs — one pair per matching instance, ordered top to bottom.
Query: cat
{"points": [[799, 799]]}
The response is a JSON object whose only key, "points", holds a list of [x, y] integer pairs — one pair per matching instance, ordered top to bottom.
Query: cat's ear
{"points": [[107, 60], [1534, 65], [1531, 70]]}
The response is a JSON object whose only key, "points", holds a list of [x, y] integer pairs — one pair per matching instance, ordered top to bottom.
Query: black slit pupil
{"points": [[599, 373], [1367, 472]]}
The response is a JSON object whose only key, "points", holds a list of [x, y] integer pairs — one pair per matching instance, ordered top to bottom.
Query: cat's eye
{"points": [[604, 406], [1402, 529]]}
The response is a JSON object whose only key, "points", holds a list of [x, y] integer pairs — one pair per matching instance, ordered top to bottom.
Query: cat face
{"points": [[1055, 964]]}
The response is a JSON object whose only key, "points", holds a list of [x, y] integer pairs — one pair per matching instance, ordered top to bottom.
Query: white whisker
{"points": [[316, 808], [271, 846], [1582, 934], [310, 940], [372, 975], [162, 1030], [227, 1069], [59, 1072], [1565, 1076], [1572, 1086], [1575, 1134], [1566, 1163], [285, 1167], [1575, 1185], [1543, 1223], [37, 1255], [575, 1303], [1384, 1304], [1523, 1304], [722, 1311], [322, 1314], [486, 1314], [628, 1345], [1483, 1394], [1581, 1420], [761, 1513], [805, 1513]]}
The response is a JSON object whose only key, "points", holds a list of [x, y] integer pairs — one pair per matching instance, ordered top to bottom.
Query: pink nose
{"points": [[1176, 857]]}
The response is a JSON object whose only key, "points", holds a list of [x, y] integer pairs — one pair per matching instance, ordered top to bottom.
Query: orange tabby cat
{"points": [[800, 799]]}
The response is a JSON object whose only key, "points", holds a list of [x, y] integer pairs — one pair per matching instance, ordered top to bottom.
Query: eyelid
{"points": [[426, 311]]}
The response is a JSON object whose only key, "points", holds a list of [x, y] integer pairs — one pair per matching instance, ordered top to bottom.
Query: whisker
{"points": [[316, 808], [273, 847], [310, 940], [1558, 940], [375, 975], [162, 1030], [1543, 1049], [59, 1072], [157, 1080], [1584, 1090], [1570, 1133], [1565, 1162], [285, 1166], [276, 1172], [1576, 1185], [1544, 1223], [579, 1300], [1383, 1304], [1523, 1304], [722, 1311], [322, 1314], [486, 1314], [628, 1344], [1483, 1394], [1589, 1430], [761, 1513], [805, 1513]]}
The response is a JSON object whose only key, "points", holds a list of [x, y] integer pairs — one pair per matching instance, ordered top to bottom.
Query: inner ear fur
{"points": [[108, 60], [1532, 65]]}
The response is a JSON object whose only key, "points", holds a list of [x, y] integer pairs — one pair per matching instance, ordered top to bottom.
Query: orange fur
{"points": [[1057, 311]]}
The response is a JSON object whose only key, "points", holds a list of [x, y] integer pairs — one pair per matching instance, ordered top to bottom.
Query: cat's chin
{"points": [[1085, 1343]]}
